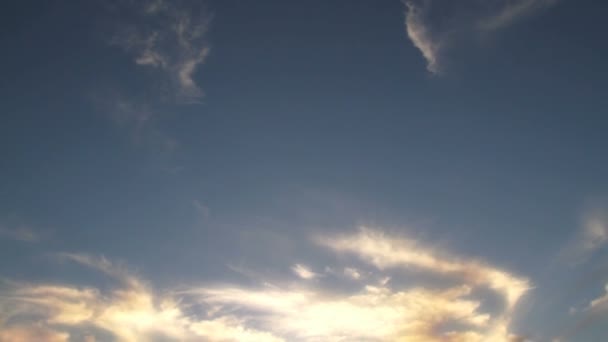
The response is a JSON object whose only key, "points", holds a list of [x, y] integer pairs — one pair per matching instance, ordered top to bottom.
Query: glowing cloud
{"points": [[303, 311]]}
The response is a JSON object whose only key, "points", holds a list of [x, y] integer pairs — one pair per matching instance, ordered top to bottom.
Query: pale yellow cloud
{"points": [[385, 252], [389, 252], [287, 311], [130, 312], [374, 313], [31, 333]]}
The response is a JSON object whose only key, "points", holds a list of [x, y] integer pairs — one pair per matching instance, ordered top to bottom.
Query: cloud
{"points": [[511, 11], [433, 25], [420, 35], [170, 37], [201, 209], [595, 230], [20, 233], [591, 237], [384, 252], [303, 272], [352, 273], [600, 303], [131, 310], [595, 311], [374, 313], [32, 333]]}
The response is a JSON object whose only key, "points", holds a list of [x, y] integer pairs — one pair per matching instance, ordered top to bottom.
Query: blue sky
{"points": [[423, 170]]}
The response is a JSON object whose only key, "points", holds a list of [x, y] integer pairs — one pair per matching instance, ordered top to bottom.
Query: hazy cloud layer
{"points": [[433, 25], [19, 233], [291, 310]]}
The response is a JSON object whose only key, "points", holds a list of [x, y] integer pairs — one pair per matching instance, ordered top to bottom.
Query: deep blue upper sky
{"points": [[314, 117]]}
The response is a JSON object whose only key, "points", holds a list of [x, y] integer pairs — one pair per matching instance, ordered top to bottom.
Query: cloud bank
{"points": [[433, 25], [293, 309]]}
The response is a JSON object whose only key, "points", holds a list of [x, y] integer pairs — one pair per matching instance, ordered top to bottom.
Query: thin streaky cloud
{"points": [[511, 11], [420, 35], [432, 36], [20, 233]]}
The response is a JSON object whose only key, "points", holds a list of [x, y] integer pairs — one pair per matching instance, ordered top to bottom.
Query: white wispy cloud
{"points": [[511, 11], [419, 33], [432, 34], [168, 36], [284, 311]]}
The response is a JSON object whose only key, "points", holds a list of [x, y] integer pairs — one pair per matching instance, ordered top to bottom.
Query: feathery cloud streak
{"points": [[431, 25]]}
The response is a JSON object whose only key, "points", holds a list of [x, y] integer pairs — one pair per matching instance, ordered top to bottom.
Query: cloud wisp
{"points": [[432, 25], [170, 37], [590, 238], [295, 309]]}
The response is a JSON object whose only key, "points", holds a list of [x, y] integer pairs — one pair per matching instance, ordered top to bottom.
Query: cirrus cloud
{"points": [[433, 25]]}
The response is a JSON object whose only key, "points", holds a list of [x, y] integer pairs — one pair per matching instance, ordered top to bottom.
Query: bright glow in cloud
{"points": [[431, 35], [384, 252], [303, 272], [304, 311], [130, 312], [375, 313]]}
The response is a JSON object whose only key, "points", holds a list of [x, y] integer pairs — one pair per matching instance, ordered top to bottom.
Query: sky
{"points": [[348, 170]]}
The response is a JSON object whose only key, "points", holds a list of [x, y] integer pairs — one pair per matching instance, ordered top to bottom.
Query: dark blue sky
{"points": [[209, 147]]}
